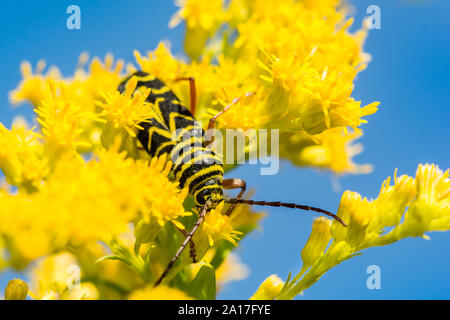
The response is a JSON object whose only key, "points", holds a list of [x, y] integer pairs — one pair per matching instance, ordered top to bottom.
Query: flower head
{"points": [[202, 20], [299, 60], [160, 63], [33, 87], [127, 110], [61, 118], [20, 157], [433, 196], [424, 203], [95, 205], [218, 226], [317, 242], [16, 289], [269, 289]]}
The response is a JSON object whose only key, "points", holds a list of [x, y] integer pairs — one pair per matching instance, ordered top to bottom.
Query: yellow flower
{"points": [[322, 7], [198, 13], [202, 20], [160, 63], [300, 66], [103, 77], [33, 87], [83, 88], [74, 97], [314, 100], [127, 110], [248, 113], [61, 121], [332, 149], [20, 158], [164, 198], [426, 200], [392, 201], [83, 202], [432, 207], [360, 214], [218, 226], [317, 242], [269, 289], [16, 290], [159, 293]]}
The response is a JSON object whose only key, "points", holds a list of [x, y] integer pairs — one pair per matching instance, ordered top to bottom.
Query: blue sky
{"points": [[408, 75]]}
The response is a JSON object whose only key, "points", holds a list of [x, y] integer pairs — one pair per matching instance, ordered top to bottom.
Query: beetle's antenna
{"points": [[286, 205]]}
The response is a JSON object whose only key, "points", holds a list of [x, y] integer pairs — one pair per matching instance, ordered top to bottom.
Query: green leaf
{"points": [[111, 257], [134, 261], [203, 287]]}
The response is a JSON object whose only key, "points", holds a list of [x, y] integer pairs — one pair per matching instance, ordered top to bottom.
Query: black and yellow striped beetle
{"points": [[194, 163]]}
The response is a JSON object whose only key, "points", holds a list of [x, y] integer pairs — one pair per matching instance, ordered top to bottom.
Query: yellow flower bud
{"points": [[12, 168], [432, 195], [392, 201], [360, 213], [338, 231], [317, 242], [269, 289], [16, 290]]}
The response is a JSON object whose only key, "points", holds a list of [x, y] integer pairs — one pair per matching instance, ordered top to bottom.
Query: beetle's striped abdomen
{"points": [[174, 131]]}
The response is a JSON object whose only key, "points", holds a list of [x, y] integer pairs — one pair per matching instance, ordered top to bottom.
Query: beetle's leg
{"points": [[192, 92], [209, 138], [234, 183], [185, 243], [192, 251]]}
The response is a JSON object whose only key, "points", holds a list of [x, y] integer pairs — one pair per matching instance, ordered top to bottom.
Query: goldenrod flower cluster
{"points": [[299, 59], [77, 181], [410, 207], [86, 214]]}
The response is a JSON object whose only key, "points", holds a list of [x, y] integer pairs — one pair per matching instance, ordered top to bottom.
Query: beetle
{"points": [[174, 131]]}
